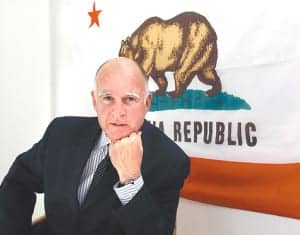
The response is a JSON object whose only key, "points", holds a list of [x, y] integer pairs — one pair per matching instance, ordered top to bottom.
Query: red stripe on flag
{"points": [[268, 188]]}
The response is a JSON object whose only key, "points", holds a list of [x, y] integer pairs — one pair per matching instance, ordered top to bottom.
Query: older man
{"points": [[114, 174]]}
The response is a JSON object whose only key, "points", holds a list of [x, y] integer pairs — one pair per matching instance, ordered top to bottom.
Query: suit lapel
{"points": [[147, 147], [82, 150]]}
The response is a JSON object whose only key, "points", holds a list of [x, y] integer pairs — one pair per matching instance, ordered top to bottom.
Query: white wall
{"points": [[25, 77], [25, 99], [195, 218]]}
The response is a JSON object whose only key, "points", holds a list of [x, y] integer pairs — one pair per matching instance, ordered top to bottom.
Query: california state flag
{"points": [[225, 86]]}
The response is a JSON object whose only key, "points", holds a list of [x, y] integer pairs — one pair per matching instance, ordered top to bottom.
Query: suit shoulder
{"points": [[72, 121], [71, 124], [166, 146], [165, 153]]}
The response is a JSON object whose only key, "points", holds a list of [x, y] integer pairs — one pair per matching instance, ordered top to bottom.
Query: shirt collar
{"points": [[104, 140]]}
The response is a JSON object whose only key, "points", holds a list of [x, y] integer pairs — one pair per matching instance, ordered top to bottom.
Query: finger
{"points": [[132, 136], [139, 140]]}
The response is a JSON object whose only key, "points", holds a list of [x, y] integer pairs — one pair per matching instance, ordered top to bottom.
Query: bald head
{"points": [[124, 64]]}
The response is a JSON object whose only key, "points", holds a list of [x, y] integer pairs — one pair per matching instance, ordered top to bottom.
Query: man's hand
{"points": [[126, 156]]}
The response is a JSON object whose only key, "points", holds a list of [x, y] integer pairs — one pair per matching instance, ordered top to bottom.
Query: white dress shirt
{"points": [[125, 193]]}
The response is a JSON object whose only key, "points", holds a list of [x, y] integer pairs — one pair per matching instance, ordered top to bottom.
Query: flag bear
{"points": [[185, 45]]}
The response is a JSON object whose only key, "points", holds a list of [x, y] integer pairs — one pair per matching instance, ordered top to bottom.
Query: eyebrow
{"points": [[103, 93], [129, 93], [132, 94]]}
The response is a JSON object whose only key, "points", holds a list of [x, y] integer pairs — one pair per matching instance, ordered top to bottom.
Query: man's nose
{"points": [[119, 109]]}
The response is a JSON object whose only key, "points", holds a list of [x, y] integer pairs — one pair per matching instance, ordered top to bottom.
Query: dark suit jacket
{"points": [[54, 165]]}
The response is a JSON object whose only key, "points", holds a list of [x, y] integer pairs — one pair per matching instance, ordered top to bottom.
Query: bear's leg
{"points": [[146, 62], [210, 77], [182, 80], [162, 83]]}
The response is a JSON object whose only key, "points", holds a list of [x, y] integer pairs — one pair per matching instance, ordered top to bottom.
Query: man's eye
{"points": [[107, 98], [130, 99]]}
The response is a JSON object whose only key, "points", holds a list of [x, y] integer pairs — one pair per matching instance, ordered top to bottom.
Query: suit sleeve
{"points": [[17, 191], [154, 212]]}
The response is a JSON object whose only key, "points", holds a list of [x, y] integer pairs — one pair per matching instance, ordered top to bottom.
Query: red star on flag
{"points": [[94, 16]]}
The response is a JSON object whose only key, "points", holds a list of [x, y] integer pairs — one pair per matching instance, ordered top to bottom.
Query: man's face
{"points": [[120, 99]]}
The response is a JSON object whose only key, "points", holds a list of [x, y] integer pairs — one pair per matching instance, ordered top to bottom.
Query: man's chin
{"points": [[118, 136]]}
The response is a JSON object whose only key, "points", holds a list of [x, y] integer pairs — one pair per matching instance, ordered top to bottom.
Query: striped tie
{"points": [[92, 171]]}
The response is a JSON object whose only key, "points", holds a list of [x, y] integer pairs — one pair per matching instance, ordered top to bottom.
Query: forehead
{"points": [[120, 75]]}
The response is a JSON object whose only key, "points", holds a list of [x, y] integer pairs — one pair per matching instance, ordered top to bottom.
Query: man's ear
{"points": [[93, 95], [148, 101]]}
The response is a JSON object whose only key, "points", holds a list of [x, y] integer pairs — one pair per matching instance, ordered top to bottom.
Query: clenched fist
{"points": [[126, 156]]}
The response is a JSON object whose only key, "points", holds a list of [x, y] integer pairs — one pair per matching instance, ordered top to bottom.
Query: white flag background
{"points": [[258, 61]]}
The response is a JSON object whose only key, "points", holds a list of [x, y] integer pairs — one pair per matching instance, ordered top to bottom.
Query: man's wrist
{"points": [[129, 181], [125, 183], [127, 192]]}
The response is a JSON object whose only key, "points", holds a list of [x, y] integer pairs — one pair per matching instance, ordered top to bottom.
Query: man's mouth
{"points": [[118, 124]]}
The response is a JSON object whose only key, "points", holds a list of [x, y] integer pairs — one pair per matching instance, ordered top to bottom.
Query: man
{"points": [[133, 190]]}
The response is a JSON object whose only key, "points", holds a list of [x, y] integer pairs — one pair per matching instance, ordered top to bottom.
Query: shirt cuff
{"points": [[127, 192]]}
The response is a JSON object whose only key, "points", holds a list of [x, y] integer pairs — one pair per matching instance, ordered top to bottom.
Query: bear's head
{"points": [[126, 50]]}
